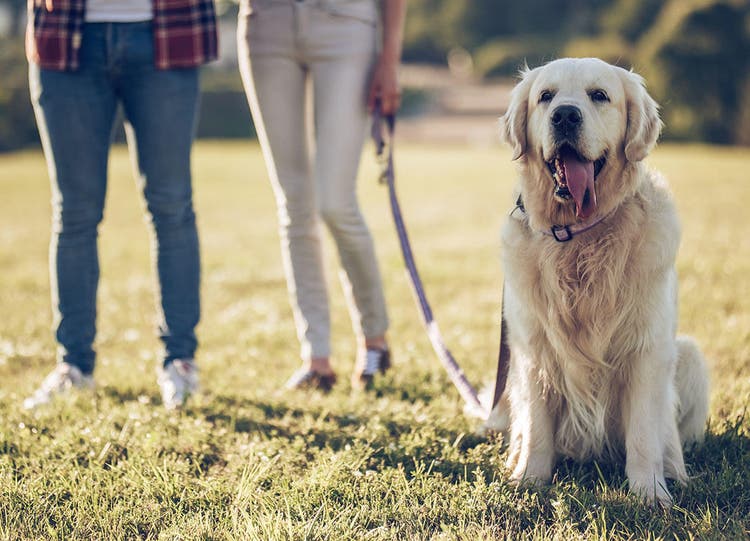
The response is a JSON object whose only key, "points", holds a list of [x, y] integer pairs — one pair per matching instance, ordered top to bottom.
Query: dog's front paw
{"points": [[534, 470], [528, 479], [652, 489]]}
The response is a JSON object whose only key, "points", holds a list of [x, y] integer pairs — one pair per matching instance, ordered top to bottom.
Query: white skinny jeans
{"points": [[283, 46]]}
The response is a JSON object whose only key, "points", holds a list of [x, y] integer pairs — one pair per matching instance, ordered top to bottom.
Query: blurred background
{"points": [[461, 57]]}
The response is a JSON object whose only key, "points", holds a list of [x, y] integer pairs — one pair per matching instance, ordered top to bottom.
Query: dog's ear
{"points": [[513, 122], [644, 124]]}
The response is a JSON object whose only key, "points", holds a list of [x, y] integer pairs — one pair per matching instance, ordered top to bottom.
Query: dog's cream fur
{"points": [[596, 367]]}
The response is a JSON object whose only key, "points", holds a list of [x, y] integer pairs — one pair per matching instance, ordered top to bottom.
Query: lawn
{"points": [[245, 461]]}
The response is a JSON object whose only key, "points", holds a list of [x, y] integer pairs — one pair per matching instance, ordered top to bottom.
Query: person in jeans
{"points": [[335, 47], [86, 57]]}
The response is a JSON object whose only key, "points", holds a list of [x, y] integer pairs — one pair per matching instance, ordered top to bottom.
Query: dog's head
{"points": [[579, 126]]}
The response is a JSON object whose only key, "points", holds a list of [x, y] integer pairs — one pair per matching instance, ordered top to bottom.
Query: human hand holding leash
{"points": [[384, 87]]}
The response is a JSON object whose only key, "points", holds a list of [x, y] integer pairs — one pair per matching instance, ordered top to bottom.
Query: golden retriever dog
{"points": [[596, 368]]}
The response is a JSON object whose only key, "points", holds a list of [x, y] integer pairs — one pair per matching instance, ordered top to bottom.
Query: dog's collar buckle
{"points": [[561, 233]]}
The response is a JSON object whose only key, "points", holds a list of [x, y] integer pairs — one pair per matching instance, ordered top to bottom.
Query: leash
{"points": [[456, 374]]}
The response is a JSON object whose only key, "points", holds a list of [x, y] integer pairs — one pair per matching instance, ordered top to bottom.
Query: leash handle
{"points": [[386, 159], [387, 176]]}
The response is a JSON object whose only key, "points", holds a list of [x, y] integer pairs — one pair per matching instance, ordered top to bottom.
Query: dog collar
{"points": [[561, 233]]}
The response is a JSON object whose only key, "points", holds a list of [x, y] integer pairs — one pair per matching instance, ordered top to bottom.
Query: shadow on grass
{"points": [[117, 394], [400, 444], [719, 469], [719, 489], [593, 496]]}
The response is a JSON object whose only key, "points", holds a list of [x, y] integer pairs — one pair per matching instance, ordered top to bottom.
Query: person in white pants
{"points": [[334, 47]]}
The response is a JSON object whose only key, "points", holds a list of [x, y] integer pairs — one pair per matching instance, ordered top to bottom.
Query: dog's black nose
{"points": [[567, 119]]}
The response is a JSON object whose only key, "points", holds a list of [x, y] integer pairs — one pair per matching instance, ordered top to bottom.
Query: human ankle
{"points": [[376, 342], [321, 365]]}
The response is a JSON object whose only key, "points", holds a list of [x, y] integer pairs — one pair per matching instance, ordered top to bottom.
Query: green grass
{"points": [[401, 462]]}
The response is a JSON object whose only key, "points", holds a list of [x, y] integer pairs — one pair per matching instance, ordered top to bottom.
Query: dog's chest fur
{"points": [[576, 298]]}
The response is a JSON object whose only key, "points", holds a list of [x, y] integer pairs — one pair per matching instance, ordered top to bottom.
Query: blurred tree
{"points": [[17, 14], [630, 18], [489, 19], [432, 29], [501, 35], [695, 55], [705, 66], [17, 127]]}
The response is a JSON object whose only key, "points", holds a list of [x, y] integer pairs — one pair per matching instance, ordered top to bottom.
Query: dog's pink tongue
{"points": [[580, 178]]}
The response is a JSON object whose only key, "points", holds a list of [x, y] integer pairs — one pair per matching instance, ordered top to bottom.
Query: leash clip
{"points": [[383, 159], [517, 208]]}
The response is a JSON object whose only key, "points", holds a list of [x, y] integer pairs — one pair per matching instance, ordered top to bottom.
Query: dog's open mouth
{"points": [[574, 178]]}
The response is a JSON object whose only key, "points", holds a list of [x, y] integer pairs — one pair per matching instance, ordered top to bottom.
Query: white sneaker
{"points": [[61, 380], [177, 381]]}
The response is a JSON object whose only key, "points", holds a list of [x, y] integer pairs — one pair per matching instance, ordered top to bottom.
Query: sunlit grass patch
{"points": [[402, 462]]}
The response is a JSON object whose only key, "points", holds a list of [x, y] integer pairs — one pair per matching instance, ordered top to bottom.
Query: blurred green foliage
{"points": [[695, 55], [702, 70], [17, 126]]}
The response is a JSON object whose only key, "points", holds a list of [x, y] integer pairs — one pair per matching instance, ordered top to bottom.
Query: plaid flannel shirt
{"points": [[185, 34]]}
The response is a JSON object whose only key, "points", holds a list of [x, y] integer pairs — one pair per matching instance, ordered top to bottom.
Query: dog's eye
{"points": [[598, 95], [546, 96]]}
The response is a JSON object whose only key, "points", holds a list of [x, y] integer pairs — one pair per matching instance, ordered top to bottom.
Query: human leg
{"points": [[275, 83], [340, 86], [161, 109], [75, 112]]}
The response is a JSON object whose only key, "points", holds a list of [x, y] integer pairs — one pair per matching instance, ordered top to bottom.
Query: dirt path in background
{"points": [[458, 110]]}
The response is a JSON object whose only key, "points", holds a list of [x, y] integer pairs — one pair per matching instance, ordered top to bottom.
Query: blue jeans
{"points": [[75, 113]]}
